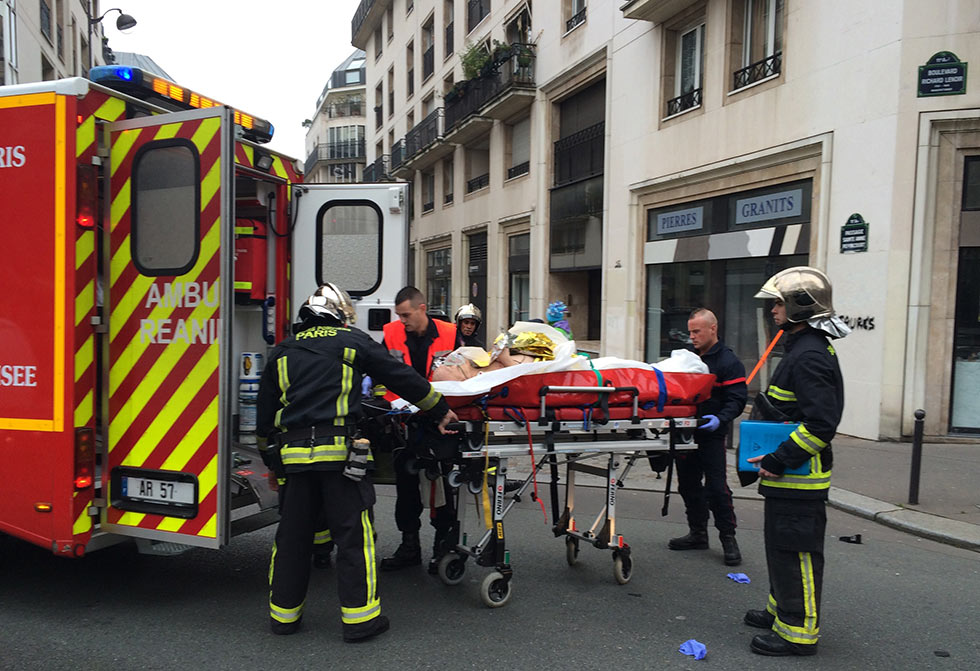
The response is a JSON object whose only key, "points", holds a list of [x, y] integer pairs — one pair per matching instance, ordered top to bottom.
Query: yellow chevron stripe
{"points": [[111, 109], [167, 132], [205, 132], [84, 136], [122, 144], [249, 154], [278, 167], [210, 184], [120, 206], [84, 246], [84, 301], [83, 357], [85, 410], [189, 444], [207, 480], [130, 519], [83, 524], [210, 530]]}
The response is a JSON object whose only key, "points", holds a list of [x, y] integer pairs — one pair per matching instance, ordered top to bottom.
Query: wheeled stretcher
{"points": [[581, 429]]}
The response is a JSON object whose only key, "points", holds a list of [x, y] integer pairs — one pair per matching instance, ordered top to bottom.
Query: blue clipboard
{"points": [[758, 438]]}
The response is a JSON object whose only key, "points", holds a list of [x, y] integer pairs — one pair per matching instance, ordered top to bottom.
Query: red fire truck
{"points": [[154, 251]]}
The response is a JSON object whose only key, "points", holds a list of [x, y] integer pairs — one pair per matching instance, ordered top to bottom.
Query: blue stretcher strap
{"points": [[662, 395]]}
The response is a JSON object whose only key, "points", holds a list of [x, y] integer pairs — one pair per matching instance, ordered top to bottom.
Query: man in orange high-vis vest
{"points": [[416, 340]]}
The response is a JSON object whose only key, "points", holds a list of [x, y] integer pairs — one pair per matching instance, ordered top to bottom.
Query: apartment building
{"points": [[42, 40], [336, 133], [638, 159]]}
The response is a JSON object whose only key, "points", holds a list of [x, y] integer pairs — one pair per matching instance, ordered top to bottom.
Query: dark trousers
{"points": [[707, 463], [310, 498], [408, 501], [794, 536]]}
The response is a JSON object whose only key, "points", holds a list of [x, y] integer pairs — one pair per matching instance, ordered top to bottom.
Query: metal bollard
{"points": [[920, 416]]}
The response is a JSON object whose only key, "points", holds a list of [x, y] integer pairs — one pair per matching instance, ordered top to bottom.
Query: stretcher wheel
{"points": [[453, 479], [474, 487], [571, 551], [452, 568], [622, 568], [495, 590]]}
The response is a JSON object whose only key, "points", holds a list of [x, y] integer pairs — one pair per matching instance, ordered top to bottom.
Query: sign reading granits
{"points": [[942, 75], [770, 206], [680, 220], [854, 235]]}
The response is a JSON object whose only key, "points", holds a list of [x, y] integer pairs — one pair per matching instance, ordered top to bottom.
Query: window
{"points": [[409, 6], [476, 11], [448, 13], [574, 13], [45, 19], [390, 20], [519, 27], [757, 40], [378, 44], [428, 49], [410, 69], [687, 71], [354, 73], [391, 91], [378, 107], [345, 142], [519, 148], [478, 165], [448, 178], [971, 183], [428, 191], [166, 195], [349, 229], [519, 264], [438, 275]]}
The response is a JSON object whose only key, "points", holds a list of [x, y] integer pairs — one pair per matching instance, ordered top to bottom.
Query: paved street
{"points": [[890, 603]]}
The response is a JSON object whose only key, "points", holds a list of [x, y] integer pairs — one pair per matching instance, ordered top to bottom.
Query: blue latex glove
{"points": [[366, 386], [712, 425], [740, 577], [694, 649]]}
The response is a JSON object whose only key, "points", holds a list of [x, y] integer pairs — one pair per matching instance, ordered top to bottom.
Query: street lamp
{"points": [[124, 22]]}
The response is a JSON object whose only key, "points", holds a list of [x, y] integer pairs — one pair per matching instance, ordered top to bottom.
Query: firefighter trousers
{"points": [[708, 462], [312, 497], [794, 535]]}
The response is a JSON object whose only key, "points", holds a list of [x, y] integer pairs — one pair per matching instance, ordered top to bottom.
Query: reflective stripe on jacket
{"points": [[395, 340], [807, 387]]}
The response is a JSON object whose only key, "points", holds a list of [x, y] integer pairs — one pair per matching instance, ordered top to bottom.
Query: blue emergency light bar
{"points": [[146, 86]]}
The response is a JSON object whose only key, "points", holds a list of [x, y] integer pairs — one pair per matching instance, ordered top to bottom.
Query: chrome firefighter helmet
{"points": [[805, 291], [329, 301], [469, 311]]}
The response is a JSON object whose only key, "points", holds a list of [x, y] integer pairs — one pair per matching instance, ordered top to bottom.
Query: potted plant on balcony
{"points": [[524, 55], [475, 59], [455, 92]]}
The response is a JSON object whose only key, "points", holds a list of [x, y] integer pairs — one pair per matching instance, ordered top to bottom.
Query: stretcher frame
{"points": [[616, 442]]}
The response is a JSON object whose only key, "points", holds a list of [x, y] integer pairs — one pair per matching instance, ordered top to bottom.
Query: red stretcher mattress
{"points": [[657, 390], [474, 413]]}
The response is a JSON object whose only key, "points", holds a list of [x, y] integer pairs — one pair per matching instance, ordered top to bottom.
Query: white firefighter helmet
{"points": [[805, 291], [329, 301], [469, 311]]}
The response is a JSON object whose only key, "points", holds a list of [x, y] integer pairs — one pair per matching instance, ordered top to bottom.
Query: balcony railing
{"points": [[475, 11], [359, 16], [576, 20], [450, 46], [428, 62], [516, 70], [759, 70], [684, 102], [338, 110], [424, 133], [350, 150], [397, 155], [580, 155], [519, 169], [377, 171], [478, 182], [448, 198], [428, 207]]}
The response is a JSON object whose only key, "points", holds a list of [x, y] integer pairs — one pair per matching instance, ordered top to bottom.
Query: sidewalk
{"points": [[871, 480]]}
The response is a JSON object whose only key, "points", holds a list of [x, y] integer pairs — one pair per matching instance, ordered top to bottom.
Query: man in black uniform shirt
{"points": [[807, 388], [727, 401], [308, 404]]}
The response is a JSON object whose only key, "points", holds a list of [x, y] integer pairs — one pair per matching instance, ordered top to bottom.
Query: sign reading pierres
{"points": [[942, 75], [854, 235]]}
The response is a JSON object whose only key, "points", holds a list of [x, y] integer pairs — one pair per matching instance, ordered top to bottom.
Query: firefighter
{"points": [[468, 320], [417, 340], [807, 388], [727, 401], [307, 405]]}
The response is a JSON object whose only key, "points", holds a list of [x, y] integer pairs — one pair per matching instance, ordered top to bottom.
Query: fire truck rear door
{"points": [[170, 194]]}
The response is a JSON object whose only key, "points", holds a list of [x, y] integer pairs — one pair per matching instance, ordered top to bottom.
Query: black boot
{"points": [[697, 539], [409, 553], [733, 557]]}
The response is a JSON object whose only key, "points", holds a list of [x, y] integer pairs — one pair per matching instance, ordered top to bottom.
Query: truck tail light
{"points": [[87, 203], [84, 458]]}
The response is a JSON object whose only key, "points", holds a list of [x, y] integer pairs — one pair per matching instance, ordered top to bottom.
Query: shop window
{"points": [[756, 40], [166, 195], [349, 230]]}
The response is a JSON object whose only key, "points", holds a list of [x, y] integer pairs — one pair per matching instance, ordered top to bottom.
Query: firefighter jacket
{"points": [[807, 388], [310, 393], [729, 394]]}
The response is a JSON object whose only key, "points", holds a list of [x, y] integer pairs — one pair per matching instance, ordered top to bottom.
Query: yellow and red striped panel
{"points": [[282, 168], [163, 340]]}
